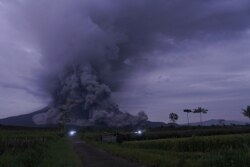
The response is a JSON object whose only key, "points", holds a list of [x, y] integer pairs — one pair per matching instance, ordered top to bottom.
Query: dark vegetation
{"points": [[246, 112], [173, 117], [127, 134], [169, 145], [216, 146], [35, 147]]}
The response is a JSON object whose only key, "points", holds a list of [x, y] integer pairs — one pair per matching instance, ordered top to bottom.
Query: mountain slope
{"points": [[22, 120], [218, 122]]}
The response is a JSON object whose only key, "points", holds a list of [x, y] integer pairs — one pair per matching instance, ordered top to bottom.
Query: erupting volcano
{"points": [[79, 59], [86, 100]]}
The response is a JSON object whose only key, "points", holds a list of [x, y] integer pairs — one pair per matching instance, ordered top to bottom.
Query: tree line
{"points": [[174, 117]]}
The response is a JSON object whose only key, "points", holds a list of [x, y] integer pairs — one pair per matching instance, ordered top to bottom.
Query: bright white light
{"points": [[139, 132], [72, 133]]}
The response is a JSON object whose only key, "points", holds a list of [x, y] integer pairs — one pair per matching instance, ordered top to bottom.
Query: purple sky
{"points": [[163, 55]]}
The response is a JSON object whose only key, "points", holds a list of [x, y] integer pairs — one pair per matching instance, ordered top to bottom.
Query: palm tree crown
{"points": [[187, 111], [201, 111], [246, 112]]}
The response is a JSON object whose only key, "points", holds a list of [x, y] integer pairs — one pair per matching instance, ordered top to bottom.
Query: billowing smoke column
{"points": [[86, 45], [82, 55], [87, 102]]}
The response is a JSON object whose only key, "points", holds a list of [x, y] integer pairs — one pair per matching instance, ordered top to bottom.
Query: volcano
{"points": [[83, 99], [23, 120]]}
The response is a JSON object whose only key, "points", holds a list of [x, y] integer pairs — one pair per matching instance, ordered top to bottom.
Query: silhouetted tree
{"points": [[187, 111], [201, 111], [246, 112], [173, 117]]}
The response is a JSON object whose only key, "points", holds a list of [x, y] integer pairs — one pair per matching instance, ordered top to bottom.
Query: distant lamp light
{"points": [[139, 132], [72, 133]]}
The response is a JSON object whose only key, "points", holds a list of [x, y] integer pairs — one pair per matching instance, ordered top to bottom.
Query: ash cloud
{"points": [[107, 34], [105, 41], [86, 100]]}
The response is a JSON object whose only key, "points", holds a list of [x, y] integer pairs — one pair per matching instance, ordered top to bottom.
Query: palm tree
{"points": [[187, 111], [201, 111], [246, 112], [173, 117]]}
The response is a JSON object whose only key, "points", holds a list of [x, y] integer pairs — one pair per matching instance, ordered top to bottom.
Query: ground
{"points": [[94, 157]]}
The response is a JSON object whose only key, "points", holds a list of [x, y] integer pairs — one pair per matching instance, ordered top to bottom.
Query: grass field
{"points": [[35, 148], [206, 151]]}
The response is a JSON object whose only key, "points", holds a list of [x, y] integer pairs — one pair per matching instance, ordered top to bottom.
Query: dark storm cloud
{"points": [[106, 34], [120, 39]]}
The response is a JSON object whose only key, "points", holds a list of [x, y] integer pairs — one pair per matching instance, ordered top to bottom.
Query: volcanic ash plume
{"points": [[86, 101]]}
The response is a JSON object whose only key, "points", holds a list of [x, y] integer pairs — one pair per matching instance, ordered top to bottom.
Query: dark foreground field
{"points": [[173, 147], [36, 148], [231, 150], [216, 151], [94, 157]]}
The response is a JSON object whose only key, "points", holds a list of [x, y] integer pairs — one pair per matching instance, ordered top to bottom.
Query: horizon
{"points": [[184, 122]]}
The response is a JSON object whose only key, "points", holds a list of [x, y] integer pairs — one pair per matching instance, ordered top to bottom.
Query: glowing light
{"points": [[139, 132], [72, 133]]}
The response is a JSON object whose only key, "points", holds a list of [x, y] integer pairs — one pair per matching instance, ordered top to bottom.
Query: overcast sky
{"points": [[166, 55]]}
